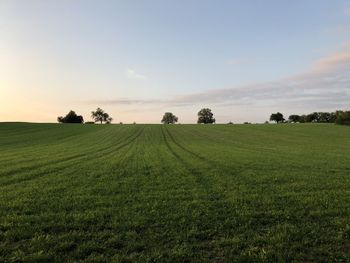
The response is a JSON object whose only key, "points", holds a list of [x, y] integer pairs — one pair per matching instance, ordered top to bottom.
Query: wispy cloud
{"points": [[236, 61], [131, 74], [326, 84], [126, 101]]}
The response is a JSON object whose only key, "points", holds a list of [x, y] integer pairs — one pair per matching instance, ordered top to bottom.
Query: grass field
{"points": [[188, 193]]}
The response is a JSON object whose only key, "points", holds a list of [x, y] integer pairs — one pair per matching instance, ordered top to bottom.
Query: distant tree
{"points": [[100, 116], [205, 116], [71, 117], [277, 117], [312, 117], [317, 117], [322, 117], [327, 117], [332, 117], [342, 117], [169, 118], [294, 118], [302, 118], [109, 120], [89, 122], [230, 122]]}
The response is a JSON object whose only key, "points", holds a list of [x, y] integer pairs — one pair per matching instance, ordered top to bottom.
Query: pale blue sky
{"points": [[138, 59]]}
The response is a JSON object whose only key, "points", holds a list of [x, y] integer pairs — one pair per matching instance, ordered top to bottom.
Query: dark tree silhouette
{"points": [[100, 116], [205, 116], [71, 117], [277, 117], [312, 117], [321, 117], [326, 117], [342, 117], [169, 118], [294, 118], [302, 118]]}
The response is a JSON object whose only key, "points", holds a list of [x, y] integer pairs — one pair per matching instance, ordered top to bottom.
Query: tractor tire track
{"points": [[87, 151], [189, 151], [65, 159], [72, 163], [213, 164], [202, 180], [215, 201]]}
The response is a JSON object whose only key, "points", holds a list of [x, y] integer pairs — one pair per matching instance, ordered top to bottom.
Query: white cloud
{"points": [[131, 74]]}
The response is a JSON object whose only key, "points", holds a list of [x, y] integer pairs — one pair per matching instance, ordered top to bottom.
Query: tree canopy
{"points": [[100, 116], [205, 116], [71, 117], [277, 117], [339, 117], [342, 117], [169, 118], [294, 118]]}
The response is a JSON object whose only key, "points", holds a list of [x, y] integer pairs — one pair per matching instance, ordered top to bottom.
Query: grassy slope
{"points": [[173, 193]]}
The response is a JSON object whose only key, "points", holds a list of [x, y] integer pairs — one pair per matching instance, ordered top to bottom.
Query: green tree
{"points": [[100, 116], [205, 116], [277, 117], [312, 117], [327, 117], [342, 117], [169, 118], [294, 118], [303, 118]]}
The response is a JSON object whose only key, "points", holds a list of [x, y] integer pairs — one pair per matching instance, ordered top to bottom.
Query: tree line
{"points": [[98, 116], [206, 116], [338, 117]]}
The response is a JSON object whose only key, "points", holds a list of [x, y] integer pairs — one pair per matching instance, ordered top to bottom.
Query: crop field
{"points": [[174, 193]]}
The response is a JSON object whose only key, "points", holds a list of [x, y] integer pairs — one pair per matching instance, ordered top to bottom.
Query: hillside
{"points": [[174, 192]]}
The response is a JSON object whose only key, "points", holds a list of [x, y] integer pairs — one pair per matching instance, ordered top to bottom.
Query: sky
{"points": [[137, 59]]}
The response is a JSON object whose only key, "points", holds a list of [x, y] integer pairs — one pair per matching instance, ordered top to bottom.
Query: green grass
{"points": [[182, 193]]}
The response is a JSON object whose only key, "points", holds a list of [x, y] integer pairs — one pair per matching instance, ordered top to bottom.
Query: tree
{"points": [[100, 116], [205, 116], [71, 117], [277, 117], [310, 117], [327, 117], [342, 117], [169, 118], [294, 118], [302, 118], [109, 120]]}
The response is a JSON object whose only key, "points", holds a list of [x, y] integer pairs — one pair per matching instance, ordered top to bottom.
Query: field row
{"points": [[174, 192]]}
